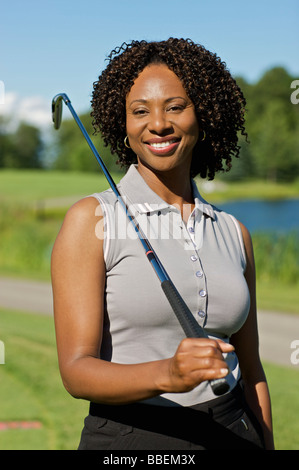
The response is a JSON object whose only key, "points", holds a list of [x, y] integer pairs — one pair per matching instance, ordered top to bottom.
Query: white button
{"points": [[193, 258], [199, 273], [202, 293], [201, 314]]}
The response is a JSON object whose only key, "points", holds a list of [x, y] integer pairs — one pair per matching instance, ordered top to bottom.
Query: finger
{"points": [[217, 343], [206, 347], [225, 347], [196, 354], [207, 363], [202, 374], [209, 374]]}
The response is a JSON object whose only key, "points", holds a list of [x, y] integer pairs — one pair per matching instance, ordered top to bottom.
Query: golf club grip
{"points": [[190, 326]]}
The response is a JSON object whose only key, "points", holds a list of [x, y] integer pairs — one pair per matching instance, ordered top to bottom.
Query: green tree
{"points": [[272, 123], [6, 146], [21, 149], [73, 152], [275, 154]]}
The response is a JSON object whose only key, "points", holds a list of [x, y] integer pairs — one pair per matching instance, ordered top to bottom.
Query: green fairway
{"points": [[30, 186], [224, 190], [33, 204], [271, 296], [31, 390]]}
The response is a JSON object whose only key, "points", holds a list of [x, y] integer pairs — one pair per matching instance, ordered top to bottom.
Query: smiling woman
{"points": [[218, 102], [170, 110], [161, 122]]}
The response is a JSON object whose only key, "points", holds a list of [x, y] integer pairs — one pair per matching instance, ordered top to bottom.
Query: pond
{"points": [[261, 216]]}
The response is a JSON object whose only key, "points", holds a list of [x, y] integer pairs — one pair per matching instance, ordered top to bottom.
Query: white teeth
{"points": [[160, 145]]}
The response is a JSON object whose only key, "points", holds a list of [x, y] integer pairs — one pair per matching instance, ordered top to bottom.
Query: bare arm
{"points": [[78, 280], [247, 348]]}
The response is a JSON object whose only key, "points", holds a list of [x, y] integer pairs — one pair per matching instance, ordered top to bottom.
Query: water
{"points": [[273, 216]]}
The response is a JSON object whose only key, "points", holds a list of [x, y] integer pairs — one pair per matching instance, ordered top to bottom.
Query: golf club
{"points": [[186, 319]]}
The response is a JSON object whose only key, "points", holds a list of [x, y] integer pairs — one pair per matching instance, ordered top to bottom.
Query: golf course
{"points": [[35, 410]]}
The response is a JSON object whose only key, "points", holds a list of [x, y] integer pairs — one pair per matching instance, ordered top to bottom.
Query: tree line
{"points": [[272, 124], [22, 148]]}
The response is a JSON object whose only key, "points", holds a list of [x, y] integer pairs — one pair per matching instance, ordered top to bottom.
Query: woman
{"points": [[170, 110]]}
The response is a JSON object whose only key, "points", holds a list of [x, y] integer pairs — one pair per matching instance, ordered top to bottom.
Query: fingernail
{"points": [[224, 371]]}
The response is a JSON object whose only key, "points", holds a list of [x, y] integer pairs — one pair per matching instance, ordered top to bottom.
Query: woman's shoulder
{"points": [[83, 212], [80, 225]]}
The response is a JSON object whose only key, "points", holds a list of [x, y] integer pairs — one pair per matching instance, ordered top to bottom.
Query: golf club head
{"points": [[57, 110]]}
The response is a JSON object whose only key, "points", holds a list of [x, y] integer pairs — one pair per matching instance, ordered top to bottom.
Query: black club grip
{"points": [[190, 326]]}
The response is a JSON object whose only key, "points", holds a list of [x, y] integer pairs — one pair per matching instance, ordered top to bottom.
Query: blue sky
{"points": [[51, 46]]}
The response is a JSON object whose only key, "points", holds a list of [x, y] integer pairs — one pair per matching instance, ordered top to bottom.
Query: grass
{"points": [[31, 186], [222, 191], [34, 202], [27, 240], [277, 267], [277, 297], [283, 386], [31, 389]]}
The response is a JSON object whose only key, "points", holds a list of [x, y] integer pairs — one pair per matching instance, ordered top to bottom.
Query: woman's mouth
{"points": [[162, 147]]}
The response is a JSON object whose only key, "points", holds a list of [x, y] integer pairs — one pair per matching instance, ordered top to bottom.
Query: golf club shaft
{"points": [[149, 250], [187, 321]]}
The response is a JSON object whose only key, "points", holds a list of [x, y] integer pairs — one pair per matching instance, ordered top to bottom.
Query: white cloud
{"points": [[33, 110]]}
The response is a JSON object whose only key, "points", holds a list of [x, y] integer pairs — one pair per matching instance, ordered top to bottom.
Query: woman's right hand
{"points": [[196, 360]]}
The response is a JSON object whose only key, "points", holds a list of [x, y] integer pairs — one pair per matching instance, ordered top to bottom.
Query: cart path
{"points": [[277, 331]]}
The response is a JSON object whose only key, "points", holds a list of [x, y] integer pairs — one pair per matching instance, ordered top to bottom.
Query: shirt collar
{"points": [[136, 192], [200, 203]]}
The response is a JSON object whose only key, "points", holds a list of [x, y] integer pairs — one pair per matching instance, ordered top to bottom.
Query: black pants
{"points": [[223, 423]]}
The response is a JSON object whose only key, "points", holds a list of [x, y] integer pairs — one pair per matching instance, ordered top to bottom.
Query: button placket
{"points": [[195, 222], [190, 228], [198, 231], [187, 238], [202, 293], [202, 307], [201, 314]]}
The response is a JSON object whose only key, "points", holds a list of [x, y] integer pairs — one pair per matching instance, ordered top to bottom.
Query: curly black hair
{"points": [[219, 102]]}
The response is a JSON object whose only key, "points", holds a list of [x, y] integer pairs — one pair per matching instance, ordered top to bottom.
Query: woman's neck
{"points": [[174, 187]]}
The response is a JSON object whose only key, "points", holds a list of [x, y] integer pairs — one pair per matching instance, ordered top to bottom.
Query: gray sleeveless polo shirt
{"points": [[205, 259]]}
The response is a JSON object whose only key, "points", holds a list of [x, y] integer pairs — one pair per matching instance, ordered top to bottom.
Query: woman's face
{"points": [[162, 127]]}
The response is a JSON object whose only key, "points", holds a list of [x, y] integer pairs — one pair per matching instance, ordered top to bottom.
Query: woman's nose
{"points": [[159, 122]]}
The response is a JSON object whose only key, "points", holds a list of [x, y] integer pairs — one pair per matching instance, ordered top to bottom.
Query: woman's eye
{"points": [[175, 108], [139, 112]]}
